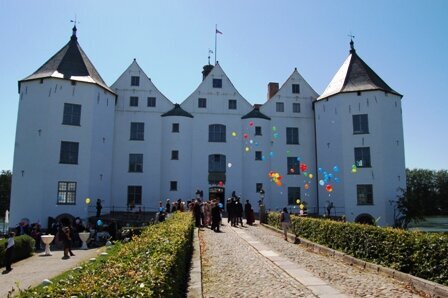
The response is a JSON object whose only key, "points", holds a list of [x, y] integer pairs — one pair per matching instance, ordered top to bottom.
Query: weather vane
{"points": [[74, 21]]}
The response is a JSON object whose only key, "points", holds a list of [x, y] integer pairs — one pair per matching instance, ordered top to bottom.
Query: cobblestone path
{"points": [[232, 267]]}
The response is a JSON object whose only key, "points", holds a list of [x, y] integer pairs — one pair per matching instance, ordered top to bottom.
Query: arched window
{"points": [[217, 133]]}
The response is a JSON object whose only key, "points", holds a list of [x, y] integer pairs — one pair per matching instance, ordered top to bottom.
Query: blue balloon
{"points": [[298, 158], [335, 169], [320, 170], [330, 176], [337, 180], [321, 182], [220, 205], [161, 209], [99, 222]]}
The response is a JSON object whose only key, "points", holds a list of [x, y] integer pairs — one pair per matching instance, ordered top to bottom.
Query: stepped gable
{"points": [[70, 63], [355, 76], [177, 111]]}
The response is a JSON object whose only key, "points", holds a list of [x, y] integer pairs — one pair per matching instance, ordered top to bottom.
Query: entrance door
{"points": [[217, 193]]}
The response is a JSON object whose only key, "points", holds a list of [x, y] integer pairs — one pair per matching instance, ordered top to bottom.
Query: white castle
{"points": [[131, 147]]}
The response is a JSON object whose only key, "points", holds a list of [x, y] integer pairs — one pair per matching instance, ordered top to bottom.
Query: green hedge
{"points": [[23, 248], [421, 254], [154, 264]]}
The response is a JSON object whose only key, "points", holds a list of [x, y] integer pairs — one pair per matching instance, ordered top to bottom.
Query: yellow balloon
{"points": [[234, 134], [247, 149], [311, 176], [87, 200], [298, 201], [302, 206]]}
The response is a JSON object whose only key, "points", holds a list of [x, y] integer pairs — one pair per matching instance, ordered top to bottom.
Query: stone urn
{"points": [[84, 236], [46, 239]]}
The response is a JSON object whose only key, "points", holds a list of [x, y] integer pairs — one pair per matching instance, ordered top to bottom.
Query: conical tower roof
{"points": [[70, 63], [353, 76]]}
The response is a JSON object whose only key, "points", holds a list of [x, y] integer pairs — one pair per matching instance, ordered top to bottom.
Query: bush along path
{"points": [[424, 255], [155, 264]]}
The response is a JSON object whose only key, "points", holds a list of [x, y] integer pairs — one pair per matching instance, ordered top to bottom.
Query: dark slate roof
{"points": [[70, 63], [353, 76], [177, 111], [255, 113]]}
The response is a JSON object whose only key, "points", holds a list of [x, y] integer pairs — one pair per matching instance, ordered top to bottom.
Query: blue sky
{"points": [[404, 42]]}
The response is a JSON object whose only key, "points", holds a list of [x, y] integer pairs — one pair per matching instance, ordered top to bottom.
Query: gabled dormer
{"points": [[355, 76], [136, 91], [216, 94], [294, 97]]}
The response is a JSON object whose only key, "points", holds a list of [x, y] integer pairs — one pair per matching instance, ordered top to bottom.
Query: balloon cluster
{"points": [[327, 177], [276, 178]]}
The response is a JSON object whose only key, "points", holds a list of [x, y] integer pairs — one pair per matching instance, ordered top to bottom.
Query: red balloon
{"points": [[245, 135], [303, 167], [329, 188]]}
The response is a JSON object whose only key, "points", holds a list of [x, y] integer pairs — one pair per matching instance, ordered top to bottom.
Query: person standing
{"points": [[99, 206], [168, 206], [247, 208], [216, 217], [285, 220], [9, 252]]}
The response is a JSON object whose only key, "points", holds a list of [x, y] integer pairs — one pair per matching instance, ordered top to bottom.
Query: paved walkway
{"points": [[253, 261], [32, 271]]}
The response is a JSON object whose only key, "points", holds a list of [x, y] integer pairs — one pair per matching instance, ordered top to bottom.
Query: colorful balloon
{"points": [[251, 123], [274, 128], [234, 134], [245, 135], [276, 135], [251, 141], [247, 149], [271, 154], [229, 164], [303, 167], [335, 169], [291, 170], [310, 176], [337, 180], [321, 182], [220, 183], [307, 186], [329, 188], [87, 200], [298, 201], [302, 206]]}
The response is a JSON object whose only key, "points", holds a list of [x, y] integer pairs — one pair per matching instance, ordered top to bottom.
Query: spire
{"points": [[74, 33], [352, 45]]}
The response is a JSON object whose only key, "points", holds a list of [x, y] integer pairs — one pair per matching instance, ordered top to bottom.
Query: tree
{"points": [[5, 191], [410, 208]]}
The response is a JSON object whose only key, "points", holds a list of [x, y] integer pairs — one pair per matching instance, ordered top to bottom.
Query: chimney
{"points": [[207, 69], [272, 89]]}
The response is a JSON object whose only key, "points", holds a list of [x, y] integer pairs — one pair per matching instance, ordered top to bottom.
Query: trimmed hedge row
{"points": [[23, 248], [423, 255], [154, 264]]}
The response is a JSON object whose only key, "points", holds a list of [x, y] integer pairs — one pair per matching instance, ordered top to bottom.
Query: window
{"points": [[135, 81], [217, 83], [295, 88], [133, 101], [151, 102], [202, 102], [232, 104], [279, 106], [295, 107], [72, 114], [360, 124], [175, 127], [258, 130], [137, 131], [217, 133], [292, 135], [69, 153], [175, 155], [258, 155], [362, 157], [135, 163], [217, 163], [293, 166], [173, 185], [258, 187], [66, 193], [364, 194], [134, 195], [293, 195]]}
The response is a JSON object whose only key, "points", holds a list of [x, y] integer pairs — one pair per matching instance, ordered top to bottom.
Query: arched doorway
{"points": [[218, 193], [366, 219]]}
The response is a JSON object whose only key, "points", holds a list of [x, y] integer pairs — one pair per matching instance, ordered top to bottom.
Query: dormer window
{"points": [[135, 81], [217, 83], [295, 88], [202, 103]]}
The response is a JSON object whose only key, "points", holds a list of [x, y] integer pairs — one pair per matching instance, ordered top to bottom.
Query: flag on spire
{"points": [[218, 32]]}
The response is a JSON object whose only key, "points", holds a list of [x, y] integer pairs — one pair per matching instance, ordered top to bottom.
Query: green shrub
{"points": [[23, 248], [421, 254], [154, 264]]}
